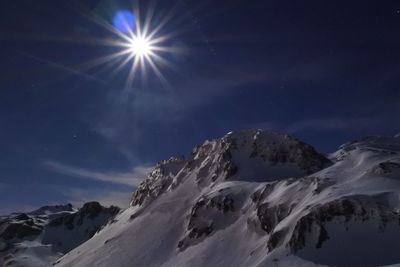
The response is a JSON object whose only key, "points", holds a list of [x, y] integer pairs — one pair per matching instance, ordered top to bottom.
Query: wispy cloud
{"points": [[63, 68], [127, 113], [326, 124], [337, 124], [131, 178]]}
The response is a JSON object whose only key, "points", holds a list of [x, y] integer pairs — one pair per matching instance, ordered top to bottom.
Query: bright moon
{"points": [[141, 46]]}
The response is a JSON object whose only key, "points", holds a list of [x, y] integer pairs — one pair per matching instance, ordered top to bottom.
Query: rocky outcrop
{"points": [[276, 148], [223, 159], [387, 167], [158, 180], [355, 208], [89, 210], [210, 214], [270, 216], [46, 225], [19, 229]]}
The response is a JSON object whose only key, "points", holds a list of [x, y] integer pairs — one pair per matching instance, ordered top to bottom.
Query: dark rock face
{"points": [[277, 148], [387, 167], [169, 173], [158, 180], [262, 194], [220, 203], [355, 208], [93, 209], [89, 210], [207, 215], [270, 216], [22, 217], [83, 224], [19, 226], [11, 230], [199, 232], [276, 239]]}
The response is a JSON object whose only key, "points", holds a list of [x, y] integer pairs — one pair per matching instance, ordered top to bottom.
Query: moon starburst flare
{"points": [[139, 46], [142, 48]]}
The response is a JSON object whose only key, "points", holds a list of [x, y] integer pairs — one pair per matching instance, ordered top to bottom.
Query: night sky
{"points": [[325, 71]]}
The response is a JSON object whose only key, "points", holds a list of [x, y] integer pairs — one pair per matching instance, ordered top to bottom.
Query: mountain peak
{"points": [[252, 155], [266, 155]]}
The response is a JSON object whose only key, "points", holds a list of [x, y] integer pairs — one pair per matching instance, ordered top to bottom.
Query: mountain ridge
{"points": [[259, 198], [39, 237]]}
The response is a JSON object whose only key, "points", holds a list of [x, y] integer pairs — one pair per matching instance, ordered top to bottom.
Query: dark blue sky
{"points": [[324, 71]]}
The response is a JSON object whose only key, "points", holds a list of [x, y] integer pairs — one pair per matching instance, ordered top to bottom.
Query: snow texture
{"points": [[258, 198]]}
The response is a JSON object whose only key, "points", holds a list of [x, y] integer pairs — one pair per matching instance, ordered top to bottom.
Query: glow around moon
{"points": [[141, 45]]}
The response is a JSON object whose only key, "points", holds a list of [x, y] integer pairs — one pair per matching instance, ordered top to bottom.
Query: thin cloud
{"points": [[63, 68], [141, 107], [328, 124], [337, 124], [132, 178]]}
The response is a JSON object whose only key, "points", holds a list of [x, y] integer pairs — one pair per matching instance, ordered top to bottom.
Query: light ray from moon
{"points": [[139, 46]]}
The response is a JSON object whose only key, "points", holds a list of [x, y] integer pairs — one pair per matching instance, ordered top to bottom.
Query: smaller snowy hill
{"points": [[38, 238]]}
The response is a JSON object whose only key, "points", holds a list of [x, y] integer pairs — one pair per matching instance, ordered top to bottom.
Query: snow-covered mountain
{"points": [[258, 198], [40, 237]]}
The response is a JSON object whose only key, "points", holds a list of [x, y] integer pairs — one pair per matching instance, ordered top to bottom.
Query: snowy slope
{"points": [[258, 198], [215, 209], [40, 237]]}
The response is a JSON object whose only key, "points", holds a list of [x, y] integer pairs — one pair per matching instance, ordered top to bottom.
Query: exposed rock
{"points": [[278, 148], [387, 167], [158, 180], [263, 193], [355, 208], [89, 210], [208, 215], [270, 216], [21, 217], [13, 230], [276, 239]]}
